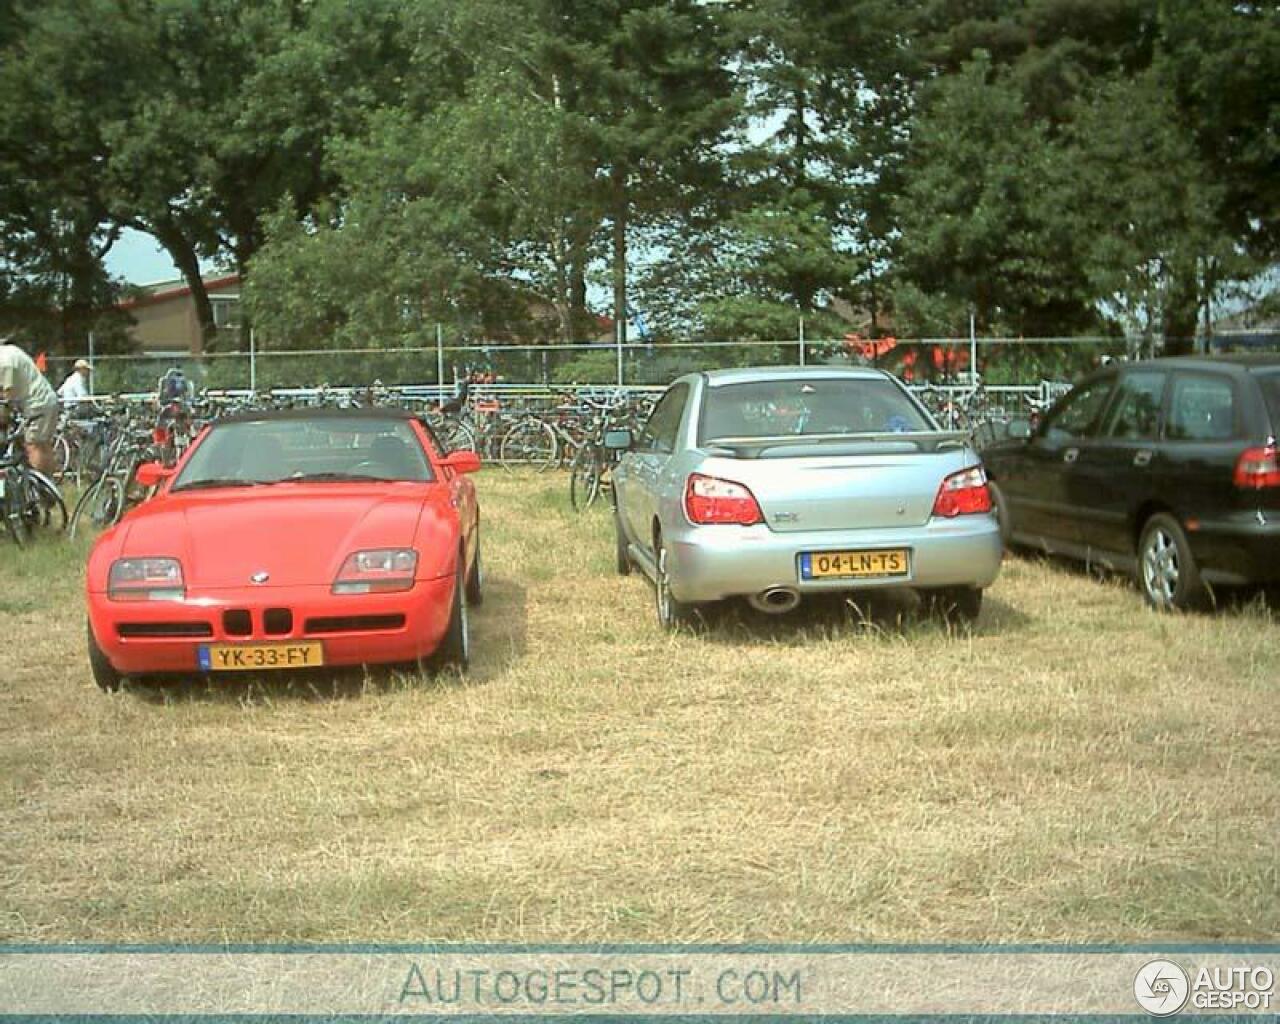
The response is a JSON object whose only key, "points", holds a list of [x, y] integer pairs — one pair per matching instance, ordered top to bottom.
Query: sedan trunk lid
{"points": [[843, 484]]}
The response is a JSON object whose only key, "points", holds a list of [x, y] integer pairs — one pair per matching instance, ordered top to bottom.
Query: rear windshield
{"points": [[1271, 392], [787, 408], [322, 450]]}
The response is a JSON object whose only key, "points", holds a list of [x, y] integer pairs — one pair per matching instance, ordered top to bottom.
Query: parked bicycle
{"points": [[591, 473], [115, 490], [29, 500]]}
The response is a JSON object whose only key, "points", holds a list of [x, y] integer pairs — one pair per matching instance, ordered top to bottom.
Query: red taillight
{"points": [[1258, 468], [962, 494], [709, 500]]}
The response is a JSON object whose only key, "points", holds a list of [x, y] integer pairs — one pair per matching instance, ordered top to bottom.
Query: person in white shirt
{"points": [[24, 386], [76, 387]]}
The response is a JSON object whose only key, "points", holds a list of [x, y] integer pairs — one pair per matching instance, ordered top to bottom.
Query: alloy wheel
{"points": [[1160, 570], [662, 589]]}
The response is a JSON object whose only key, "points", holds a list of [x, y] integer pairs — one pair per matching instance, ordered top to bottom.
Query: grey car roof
{"points": [[755, 374]]}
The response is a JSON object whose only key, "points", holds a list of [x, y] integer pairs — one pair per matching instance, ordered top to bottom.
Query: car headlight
{"points": [[380, 571], [146, 579]]}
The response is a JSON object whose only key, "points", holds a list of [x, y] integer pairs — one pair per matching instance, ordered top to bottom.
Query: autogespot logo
{"points": [[1161, 988]]}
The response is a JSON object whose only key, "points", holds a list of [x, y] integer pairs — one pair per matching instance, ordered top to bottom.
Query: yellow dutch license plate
{"points": [[823, 565], [259, 657]]}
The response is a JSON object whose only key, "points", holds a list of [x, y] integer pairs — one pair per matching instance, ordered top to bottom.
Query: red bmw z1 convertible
{"points": [[291, 540]]}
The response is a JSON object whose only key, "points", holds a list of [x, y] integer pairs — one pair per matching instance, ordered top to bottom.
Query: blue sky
{"points": [[138, 258]]}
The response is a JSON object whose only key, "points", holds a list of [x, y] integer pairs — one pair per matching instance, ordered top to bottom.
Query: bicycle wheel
{"points": [[458, 437], [530, 442], [62, 456], [88, 462], [584, 478], [606, 482], [134, 493], [100, 505], [12, 506], [45, 507]]}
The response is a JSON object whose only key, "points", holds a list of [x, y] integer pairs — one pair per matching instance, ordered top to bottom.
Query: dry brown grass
{"points": [[1075, 769]]}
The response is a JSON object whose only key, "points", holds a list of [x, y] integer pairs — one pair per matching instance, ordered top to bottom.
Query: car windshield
{"points": [[804, 407], [247, 453]]}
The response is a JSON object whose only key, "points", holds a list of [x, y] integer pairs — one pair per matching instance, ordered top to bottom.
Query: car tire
{"points": [[1001, 509], [622, 558], [1167, 572], [475, 578], [954, 604], [672, 614], [454, 651], [104, 673]]}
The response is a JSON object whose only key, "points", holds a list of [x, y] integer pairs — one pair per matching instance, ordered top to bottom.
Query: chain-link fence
{"points": [[939, 360], [1021, 362]]}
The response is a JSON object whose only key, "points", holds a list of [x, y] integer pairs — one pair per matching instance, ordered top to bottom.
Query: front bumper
{"points": [[709, 563], [360, 629]]}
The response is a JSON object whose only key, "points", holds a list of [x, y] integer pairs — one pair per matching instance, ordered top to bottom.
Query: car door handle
{"points": [[1070, 455], [1142, 458]]}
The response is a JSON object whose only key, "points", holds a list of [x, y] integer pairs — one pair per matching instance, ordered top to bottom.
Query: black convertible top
{"points": [[377, 412]]}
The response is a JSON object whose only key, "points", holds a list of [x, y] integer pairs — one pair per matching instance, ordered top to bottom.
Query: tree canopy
{"points": [[508, 169]]}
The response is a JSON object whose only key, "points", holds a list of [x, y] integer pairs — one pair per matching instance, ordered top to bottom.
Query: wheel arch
{"points": [[1142, 515]]}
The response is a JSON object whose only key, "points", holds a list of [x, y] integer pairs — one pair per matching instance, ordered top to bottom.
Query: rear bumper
{"points": [[1240, 550], [708, 563], [398, 627]]}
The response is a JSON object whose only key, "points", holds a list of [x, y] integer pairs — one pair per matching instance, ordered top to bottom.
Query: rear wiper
{"points": [[216, 481]]}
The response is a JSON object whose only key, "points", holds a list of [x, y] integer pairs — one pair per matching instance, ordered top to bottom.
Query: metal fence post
{"points": [[620, 329], [802, 341], [973, 351], [440, 360], [253, 361]]}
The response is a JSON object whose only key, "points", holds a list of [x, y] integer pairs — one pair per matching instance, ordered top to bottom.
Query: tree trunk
{"points": [[799, 137], [245, 248], [184, 256], [578, 296], [873, 301], [1181, 314]]}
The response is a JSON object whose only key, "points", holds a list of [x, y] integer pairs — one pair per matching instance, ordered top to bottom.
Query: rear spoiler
{"points": [[881, 443]]}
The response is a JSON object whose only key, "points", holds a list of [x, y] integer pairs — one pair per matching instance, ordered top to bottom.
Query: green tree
{"points": [[647, 85], [1160, 117], [563, 124], [805, 217], [54, 220], [982, 230], [1156, 244]]}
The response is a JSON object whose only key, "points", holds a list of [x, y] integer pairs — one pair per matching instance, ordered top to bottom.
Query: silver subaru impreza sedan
{"points": [[776, 483]]}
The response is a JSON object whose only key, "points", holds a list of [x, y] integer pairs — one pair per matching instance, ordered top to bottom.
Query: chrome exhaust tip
{"points": [[775, 600]]}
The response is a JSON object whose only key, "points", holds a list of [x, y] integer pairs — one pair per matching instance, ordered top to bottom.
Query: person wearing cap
{"points": [[24, 387], [75, 388]]}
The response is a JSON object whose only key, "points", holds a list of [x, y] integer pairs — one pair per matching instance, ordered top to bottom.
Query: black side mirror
{"points": [[617, 440]]}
